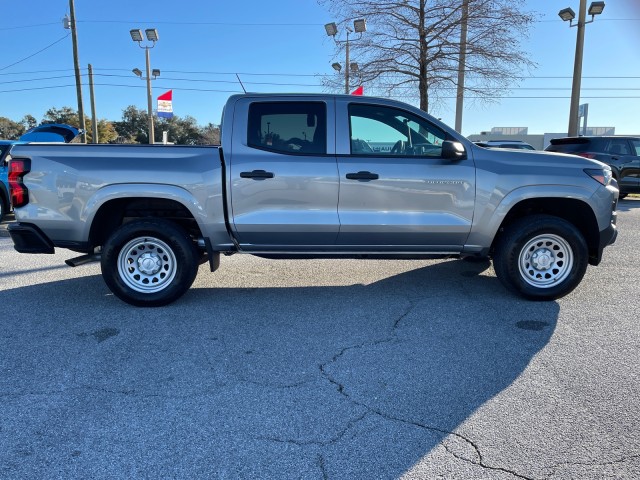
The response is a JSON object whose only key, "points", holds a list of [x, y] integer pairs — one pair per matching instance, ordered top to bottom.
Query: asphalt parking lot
{"points": [[321, 369]]}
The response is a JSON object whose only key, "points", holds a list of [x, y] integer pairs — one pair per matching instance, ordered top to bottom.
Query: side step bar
{"points": [[83, 259]]}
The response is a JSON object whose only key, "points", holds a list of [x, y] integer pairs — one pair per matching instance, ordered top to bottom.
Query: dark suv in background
{"points": [[622, 154]]}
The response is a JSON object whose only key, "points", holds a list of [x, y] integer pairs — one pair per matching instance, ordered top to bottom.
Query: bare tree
{"points": [[412, 47]]}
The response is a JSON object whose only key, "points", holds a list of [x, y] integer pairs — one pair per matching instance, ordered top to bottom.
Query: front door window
{"points": [[392, 132]]}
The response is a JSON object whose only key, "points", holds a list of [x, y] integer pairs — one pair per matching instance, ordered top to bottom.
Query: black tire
{"points": [[622, 195], [4, 207], [541, 257], [149, 262]]}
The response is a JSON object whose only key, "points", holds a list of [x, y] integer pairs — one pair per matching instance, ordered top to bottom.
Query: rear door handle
{"points": [[256, 174], [362, 176]]}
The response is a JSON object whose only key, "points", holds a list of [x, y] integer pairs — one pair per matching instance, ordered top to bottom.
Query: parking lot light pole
{"points": [[567, 14], [359, 26], [152, 36]]}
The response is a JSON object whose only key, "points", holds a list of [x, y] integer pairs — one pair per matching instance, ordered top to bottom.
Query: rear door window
{"points": [[288, 127], [618, 146]]}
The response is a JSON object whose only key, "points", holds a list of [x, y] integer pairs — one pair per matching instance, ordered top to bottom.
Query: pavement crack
{"points": [[371, 343], [340, 387], [320, 443], [479, 461], [593, 463], [323, 467]]}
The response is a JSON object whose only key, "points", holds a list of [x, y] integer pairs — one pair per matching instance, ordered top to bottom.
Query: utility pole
{"points": [[76, 64], [461, 65], [577, 71], [94, 119], [152, 134]]}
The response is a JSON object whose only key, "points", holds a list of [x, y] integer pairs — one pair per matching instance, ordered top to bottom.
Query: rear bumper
{"points": [[28, 238]]}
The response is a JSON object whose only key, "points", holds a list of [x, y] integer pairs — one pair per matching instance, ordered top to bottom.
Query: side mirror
{"points": [[453, 150]]}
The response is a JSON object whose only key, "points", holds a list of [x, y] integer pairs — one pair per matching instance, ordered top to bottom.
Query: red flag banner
{"points": [[358, 91], [165, 104]]}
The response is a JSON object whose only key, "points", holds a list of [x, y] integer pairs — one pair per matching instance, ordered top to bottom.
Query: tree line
{"points": [[133, 128]]}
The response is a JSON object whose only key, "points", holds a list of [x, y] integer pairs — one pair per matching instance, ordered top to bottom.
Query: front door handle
{"points": [[259, 174], [362, 176]]}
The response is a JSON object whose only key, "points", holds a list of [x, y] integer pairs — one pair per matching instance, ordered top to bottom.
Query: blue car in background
{"points": [[51, 132]]}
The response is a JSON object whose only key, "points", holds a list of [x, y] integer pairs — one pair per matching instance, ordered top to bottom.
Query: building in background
{"points": [[539, 141]]}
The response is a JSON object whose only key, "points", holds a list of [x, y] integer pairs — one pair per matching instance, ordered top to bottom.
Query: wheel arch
{"points": [[114, 210], [575, 211]]}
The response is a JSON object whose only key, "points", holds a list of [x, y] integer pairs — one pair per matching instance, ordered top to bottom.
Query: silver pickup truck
{"points": [[312, 175]]}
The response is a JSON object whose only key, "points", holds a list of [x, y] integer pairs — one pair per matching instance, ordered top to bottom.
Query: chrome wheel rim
{"points": [[545, 261], [147, 264]]}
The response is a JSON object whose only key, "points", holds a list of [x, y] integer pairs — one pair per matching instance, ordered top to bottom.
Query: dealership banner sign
{"points": [[165, 105]]}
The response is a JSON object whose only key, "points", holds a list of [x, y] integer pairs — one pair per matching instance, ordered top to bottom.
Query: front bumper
{"points": [[607, 237], [28, 238]]}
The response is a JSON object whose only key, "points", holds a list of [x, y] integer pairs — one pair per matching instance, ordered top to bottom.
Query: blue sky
{"points": [[282, 46]]}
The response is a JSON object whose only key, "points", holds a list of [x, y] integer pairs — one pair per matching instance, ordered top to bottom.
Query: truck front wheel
{"points": [[3, 207], [541, 257], [149, 262]]}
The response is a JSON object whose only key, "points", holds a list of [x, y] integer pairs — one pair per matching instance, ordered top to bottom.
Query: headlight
{"points": [[600, 175]]}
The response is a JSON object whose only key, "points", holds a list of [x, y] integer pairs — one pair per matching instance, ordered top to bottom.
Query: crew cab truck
{"points": [[312, 175]]}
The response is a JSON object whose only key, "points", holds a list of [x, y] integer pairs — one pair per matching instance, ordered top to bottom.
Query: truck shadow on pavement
{"points": [[360, 381]]}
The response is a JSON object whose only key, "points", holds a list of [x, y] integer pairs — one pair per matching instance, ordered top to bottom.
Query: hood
{"points": [[51, 132], [532, 158]]}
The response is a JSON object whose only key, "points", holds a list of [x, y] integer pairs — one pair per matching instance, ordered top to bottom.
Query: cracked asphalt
{"points": [[321, 369]]}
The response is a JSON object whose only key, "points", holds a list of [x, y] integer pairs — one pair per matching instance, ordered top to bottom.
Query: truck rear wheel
{"points": [[541, 257], [149, 262]]}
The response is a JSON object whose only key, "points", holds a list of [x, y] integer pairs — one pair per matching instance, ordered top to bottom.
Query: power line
{"points": [[231, 24], [247, 24], [30, 26], [36, 53], [37, 71], [200, 72], [274, 74], [35, 79], [235, 82], [289, 84], [209, 90]]}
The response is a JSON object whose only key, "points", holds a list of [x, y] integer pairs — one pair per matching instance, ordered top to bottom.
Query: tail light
{"points": [[586, 155], [18, 168], [600, 175]]}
